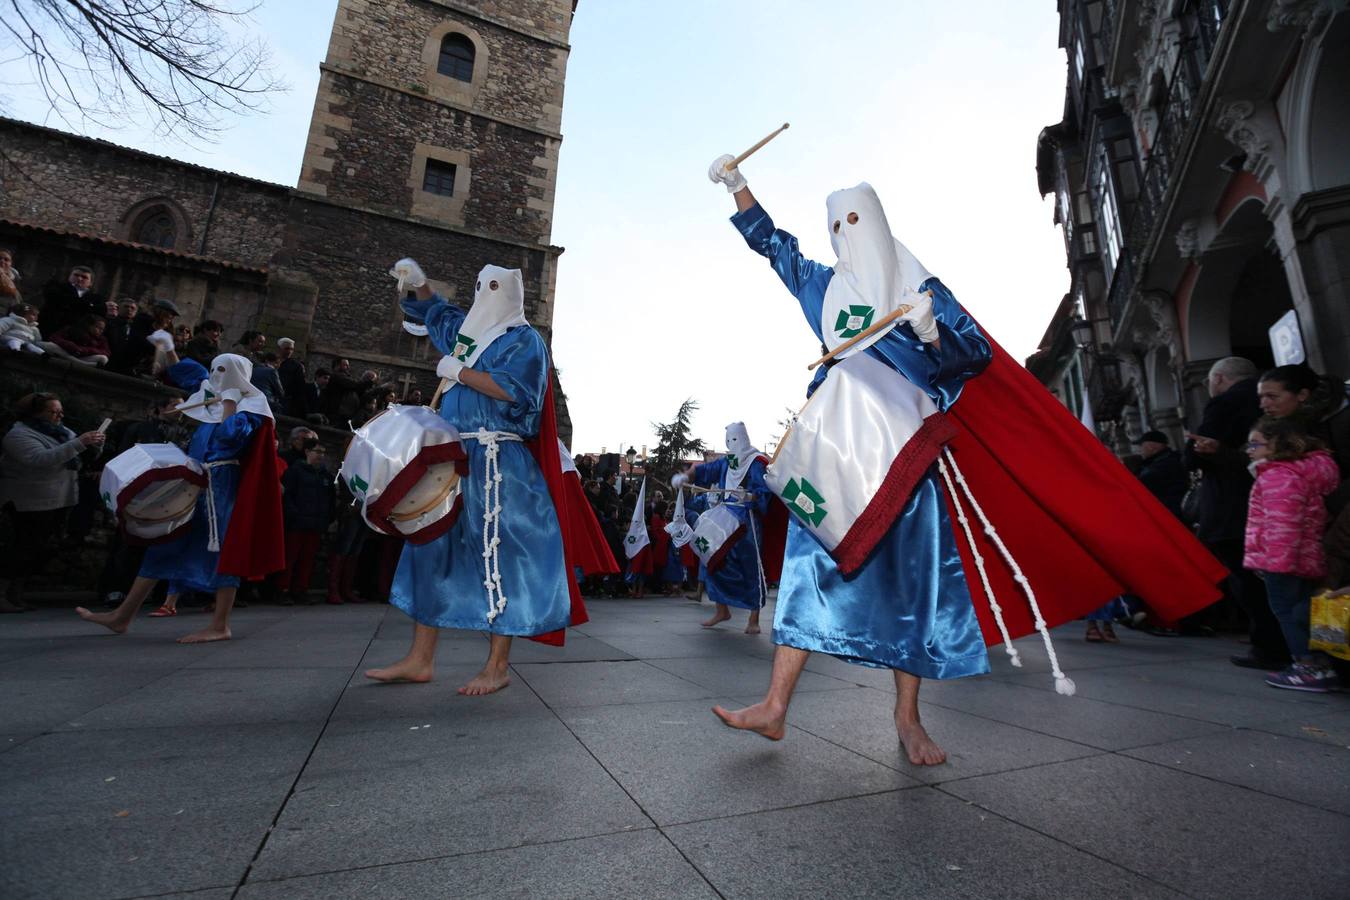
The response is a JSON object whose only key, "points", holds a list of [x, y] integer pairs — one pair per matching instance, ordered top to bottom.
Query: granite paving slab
{"points": [[741, 675], [606, 683], [49, 699], [436, 701], [862, 719], [1326, 727], [681, 764], [1315, 774], [393, 791], [1198, 835], [901, 844], [637, 864]]}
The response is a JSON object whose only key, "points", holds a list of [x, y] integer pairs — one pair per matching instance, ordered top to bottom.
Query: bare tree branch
{"points": [[185, 66]]}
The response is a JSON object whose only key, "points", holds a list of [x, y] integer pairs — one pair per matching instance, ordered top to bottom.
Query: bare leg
{"points": [[721, 615], [119, 620], [752, 627], [219, 629], [419, 665], [495, 675], [768, 717], [919, 747]]}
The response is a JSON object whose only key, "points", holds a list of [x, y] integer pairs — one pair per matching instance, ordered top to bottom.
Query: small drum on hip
{"points": [[850, 461], [404, 468], [152, 490], [717, 531]]}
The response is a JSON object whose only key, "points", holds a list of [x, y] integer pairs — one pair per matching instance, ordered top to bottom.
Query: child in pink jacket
{"points": [[1286, 520]]}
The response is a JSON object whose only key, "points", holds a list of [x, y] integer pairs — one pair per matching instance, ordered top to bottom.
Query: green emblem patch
{"points": [[853, 321], [464, 346], [733, 460], [358, 484], [802, 498], [107, 499], [632, 539], [702, 544]]}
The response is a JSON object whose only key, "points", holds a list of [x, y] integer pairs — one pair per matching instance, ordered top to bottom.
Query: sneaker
{"points": [[1306, 677]]}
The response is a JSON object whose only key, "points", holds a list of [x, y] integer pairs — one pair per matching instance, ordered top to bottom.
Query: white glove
{"points": [[719, 174], [409, 274], [920, 317], [161, 340], [449, 367], [232, 394], [679, 480]]}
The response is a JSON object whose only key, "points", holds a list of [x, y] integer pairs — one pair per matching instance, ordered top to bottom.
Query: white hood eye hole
{"points": [[853, 218], [836, 226], [478, 285], [493, 285]]}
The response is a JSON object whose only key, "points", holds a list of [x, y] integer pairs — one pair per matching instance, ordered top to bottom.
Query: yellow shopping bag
{"points": [[1331, 623]]}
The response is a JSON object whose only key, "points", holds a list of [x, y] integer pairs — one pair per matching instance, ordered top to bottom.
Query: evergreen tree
{"points": [[674, 444]]}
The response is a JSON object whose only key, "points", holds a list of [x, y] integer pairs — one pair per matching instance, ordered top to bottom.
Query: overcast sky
{"points": [[938, 105]]}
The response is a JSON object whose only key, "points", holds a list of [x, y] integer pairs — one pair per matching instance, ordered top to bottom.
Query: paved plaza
{"points": [[269, 767]]}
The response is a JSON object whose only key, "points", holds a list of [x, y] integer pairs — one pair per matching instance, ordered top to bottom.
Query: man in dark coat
{"points": [[63, 303], [292, 374], [1216, 450], [1162, 472]]}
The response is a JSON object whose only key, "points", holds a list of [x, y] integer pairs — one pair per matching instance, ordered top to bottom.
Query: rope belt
{"points": [[492, 513], [213, 529]]}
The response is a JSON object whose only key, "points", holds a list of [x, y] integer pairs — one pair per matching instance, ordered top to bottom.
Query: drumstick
{"points": [[742, 158], [877, 326], [440, 390], [200, 403], [104, 427]]}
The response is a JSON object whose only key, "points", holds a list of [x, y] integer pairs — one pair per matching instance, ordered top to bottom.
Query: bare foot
{"points": [[718, 616], [108, 620], [752, 628], [205, 636], [406, 671], [488, 681], [760, 718], [919, 747]]}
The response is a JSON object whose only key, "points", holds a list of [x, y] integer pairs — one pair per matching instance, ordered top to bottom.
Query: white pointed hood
{"points": [[875, 273], [498, 304], [228, 371], [740, 454], [679, 528]]}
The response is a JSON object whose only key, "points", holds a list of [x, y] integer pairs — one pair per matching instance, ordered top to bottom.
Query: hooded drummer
{"points": [[236, 530], [500, 568], [740, 579], [908, 607]]}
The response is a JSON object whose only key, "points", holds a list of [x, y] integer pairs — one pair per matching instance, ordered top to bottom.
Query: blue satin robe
{"points": [[186, 562], [737, 581], [440, 583], [908, 606]]}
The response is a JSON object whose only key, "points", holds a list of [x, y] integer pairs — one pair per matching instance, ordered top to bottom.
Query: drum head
{"points": [[423, 500], [159, 505], [718, 530]]}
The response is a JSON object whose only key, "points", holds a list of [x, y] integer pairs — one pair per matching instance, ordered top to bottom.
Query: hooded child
{"points": [[236, 530], [740, 579]]}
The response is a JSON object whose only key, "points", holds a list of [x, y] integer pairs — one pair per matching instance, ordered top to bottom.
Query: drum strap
{"points": [[492, 513], [213, 530], [1063, 683]]}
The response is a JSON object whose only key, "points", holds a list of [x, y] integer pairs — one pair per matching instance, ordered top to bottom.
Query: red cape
{"points": [[544, 448], [1081, 526], [255, 545], [592, 550]]}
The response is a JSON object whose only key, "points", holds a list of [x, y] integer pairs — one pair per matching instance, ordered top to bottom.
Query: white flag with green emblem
{"points": [[637, 538]]}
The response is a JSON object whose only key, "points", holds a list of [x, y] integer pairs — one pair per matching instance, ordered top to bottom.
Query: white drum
{"points": [[848, 464], [404, 468], [152, 490], [717, 531]]}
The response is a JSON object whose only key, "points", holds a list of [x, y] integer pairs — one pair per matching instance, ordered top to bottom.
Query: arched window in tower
{"points": [[456, 59], [156, 227]]}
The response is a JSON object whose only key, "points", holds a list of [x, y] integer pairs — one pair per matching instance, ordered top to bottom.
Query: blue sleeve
{"points": [[805, 278], [442, 318], [519, 366], [940, 373], [187, 375], [230, 438], [709, 474], [755, 482]]}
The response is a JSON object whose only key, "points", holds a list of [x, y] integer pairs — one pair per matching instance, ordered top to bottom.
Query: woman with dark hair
{"points": [[84, 340], [1322, 405], [38, 471], [1286, 521]]}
